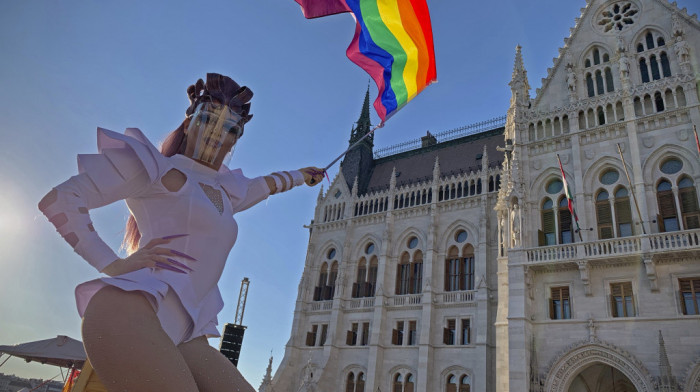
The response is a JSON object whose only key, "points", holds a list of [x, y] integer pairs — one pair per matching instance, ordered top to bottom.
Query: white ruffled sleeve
{"points": [[126, 166]]}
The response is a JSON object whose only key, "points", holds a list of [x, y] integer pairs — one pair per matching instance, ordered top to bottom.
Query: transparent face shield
{"points": [[213, 131]]}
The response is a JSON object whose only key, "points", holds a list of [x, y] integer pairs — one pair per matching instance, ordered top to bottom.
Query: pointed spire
{"points": [[519, 85], [363, 124], [485, 159], [436, 169], [392, 181], [354, 188], [320, 193], [667, 383], [266, 385]]}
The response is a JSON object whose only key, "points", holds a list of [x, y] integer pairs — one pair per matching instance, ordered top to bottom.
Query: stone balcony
{"points": [[650, 246]]}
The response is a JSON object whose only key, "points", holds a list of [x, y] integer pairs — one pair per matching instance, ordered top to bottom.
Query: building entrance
{"points": [[601, 378]]}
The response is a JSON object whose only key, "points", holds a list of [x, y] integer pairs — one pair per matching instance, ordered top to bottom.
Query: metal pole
{"points": [[353, 146], [634, 194]]}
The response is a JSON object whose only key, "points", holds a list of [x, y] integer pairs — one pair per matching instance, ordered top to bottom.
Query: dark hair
{"points": [[174, 143]]}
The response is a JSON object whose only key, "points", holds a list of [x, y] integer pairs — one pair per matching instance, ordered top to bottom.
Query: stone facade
{"points": [[456, 266]]}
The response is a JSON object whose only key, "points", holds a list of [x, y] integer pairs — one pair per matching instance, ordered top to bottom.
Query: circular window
{"points": [[616, 16], [671, 166], [610, 177], [554, 186], [461, 236], [412, 242], [370, 248], [331, 253]]}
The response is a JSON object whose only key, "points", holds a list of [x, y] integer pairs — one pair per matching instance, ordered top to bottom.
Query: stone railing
{"points": [[616, 247], [458, 296], [410, 299], [361, 303], [320, 305]]}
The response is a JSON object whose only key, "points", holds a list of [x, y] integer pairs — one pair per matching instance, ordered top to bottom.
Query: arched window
{"points": [[650, 41], [660, 41], [596, 57], [665, 66], [643, 70], [655, 74], [609, 80], [599, 82], [589, 85], [659, 102], [601, 116], [478, 186], [688, 199], [623, 212], [603, 215], [667, 218], [566, 230], [548, 234], [459, 271], [417, 273], [403, 274], [372, 276], [332, 278], [360, 283], [320, 289], [360, 383], [398, 383], [410, 383], [350, 384], [451, 384], [464, 384]]}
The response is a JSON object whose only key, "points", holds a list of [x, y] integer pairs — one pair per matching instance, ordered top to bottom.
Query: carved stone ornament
{"points": [[683, 134], [648, 141], [589, 154], [581, 355]]}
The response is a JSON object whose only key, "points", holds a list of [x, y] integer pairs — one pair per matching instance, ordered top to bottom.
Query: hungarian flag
{"points": [[697, 142], [569, 198]]}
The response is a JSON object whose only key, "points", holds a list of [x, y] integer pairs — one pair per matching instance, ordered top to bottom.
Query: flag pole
{"points": [[697, 142], [325, 169], [634, 194], [569, 201]]}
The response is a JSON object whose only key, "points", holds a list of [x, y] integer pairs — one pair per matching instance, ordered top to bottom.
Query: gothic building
{"points": [[453, 263]]}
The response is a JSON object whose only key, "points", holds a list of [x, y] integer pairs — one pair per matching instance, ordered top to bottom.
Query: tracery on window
{"points": [[617, 16]]}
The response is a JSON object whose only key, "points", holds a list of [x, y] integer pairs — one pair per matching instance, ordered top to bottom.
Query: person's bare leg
{"points": [[127, 345], [212, 371]]}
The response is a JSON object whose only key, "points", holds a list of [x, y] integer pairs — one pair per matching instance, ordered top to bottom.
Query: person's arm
{"points": [[283, 181], [67, 205]]}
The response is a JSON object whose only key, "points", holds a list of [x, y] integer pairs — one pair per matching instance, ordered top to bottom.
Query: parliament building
{"points": [[452, 263]]}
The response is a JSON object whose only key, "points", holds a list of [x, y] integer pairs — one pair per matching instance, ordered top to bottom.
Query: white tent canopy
{"points": [[60, 351]]}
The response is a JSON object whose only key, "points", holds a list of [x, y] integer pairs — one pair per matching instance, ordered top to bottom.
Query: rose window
{"points": [[617, 16]]}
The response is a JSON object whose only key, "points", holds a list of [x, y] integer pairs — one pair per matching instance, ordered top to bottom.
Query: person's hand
{"points": [[312, 175], [151, 256]]}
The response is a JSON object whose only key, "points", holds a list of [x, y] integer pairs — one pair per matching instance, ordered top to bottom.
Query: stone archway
{"points": [[574, 361], [601, 378]]}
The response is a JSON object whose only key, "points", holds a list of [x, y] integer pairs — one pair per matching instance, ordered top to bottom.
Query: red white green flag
{"points": [[697, 142], [569, 198]]}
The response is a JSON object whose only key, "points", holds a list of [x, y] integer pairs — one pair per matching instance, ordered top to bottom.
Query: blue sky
{"points": [[68, 67]]}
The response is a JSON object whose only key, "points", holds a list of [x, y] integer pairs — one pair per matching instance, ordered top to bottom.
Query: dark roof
{"points": [[456, 156]]}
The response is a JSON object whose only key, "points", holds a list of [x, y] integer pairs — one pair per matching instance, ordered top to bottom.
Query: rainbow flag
{"points": [[393, 43]]}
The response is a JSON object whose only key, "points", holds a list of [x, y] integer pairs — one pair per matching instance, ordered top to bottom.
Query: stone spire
{"points": [[519, 86], [363, 125], [358, 161], [436, 169], [392, 181], [667, 383], [266, 385]]}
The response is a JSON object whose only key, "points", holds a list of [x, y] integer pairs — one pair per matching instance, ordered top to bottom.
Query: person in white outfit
{"points": [[145, 325]]}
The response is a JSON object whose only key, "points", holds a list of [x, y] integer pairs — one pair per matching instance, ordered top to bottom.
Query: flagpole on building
{"points": [[697, 142], [325, 169], [634, 194], [569, 199]]}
